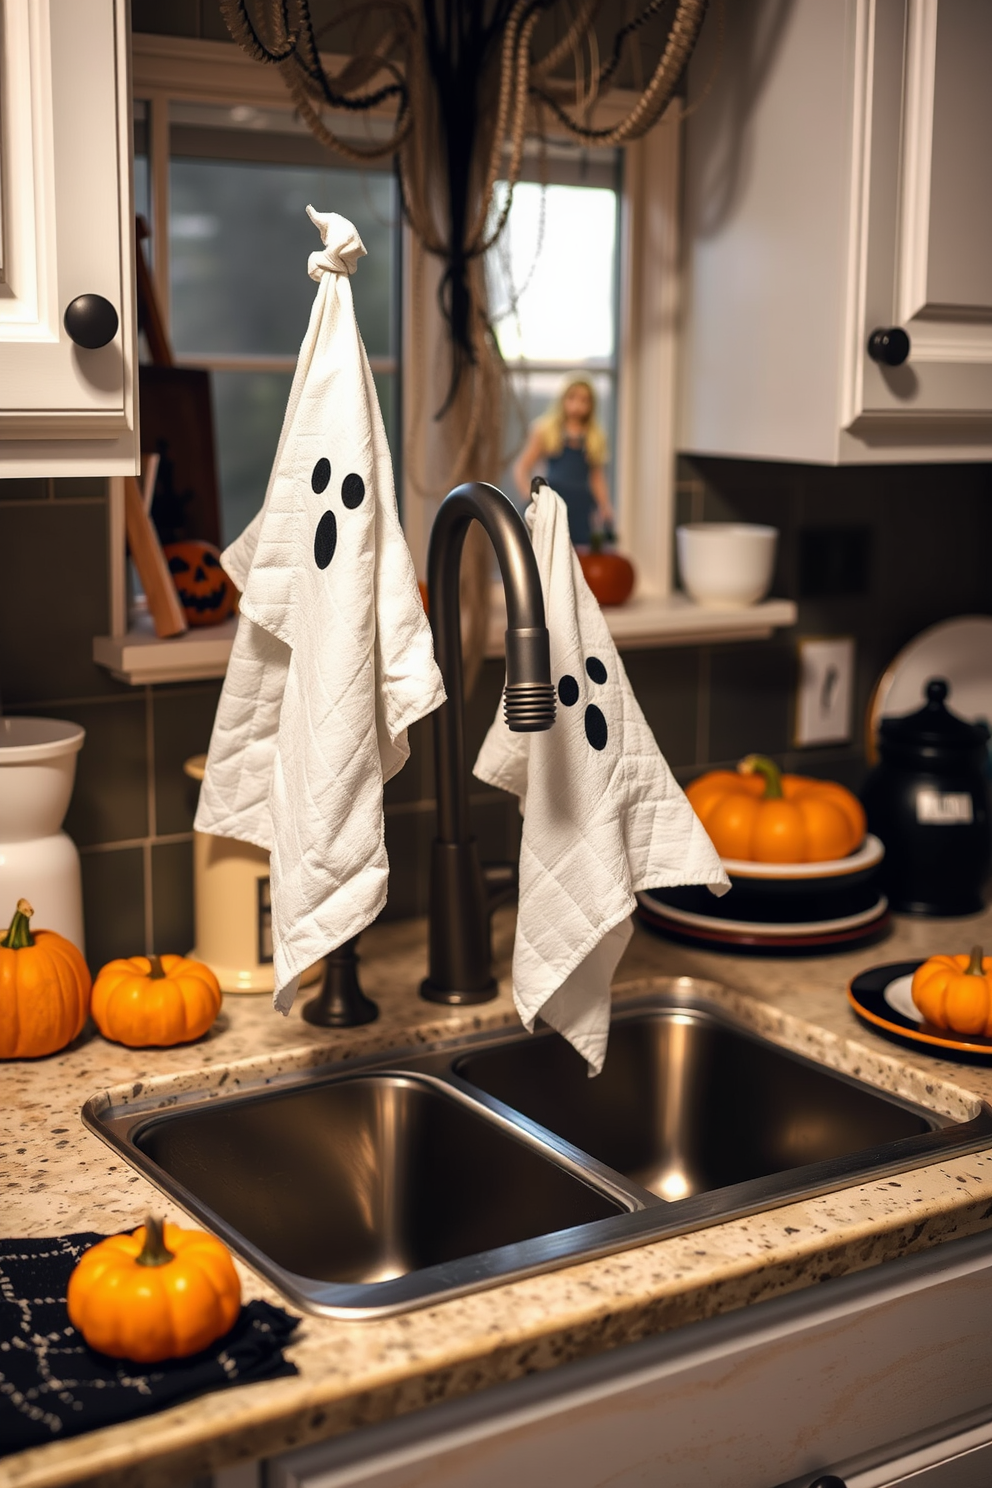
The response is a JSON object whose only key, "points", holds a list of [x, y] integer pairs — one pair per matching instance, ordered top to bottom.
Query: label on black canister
{"points": [[936, 808]]}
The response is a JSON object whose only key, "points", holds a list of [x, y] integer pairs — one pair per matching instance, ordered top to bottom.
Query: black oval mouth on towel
{"points": [[325, 539]]}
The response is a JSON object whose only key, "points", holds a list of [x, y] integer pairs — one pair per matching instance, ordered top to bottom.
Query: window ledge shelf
{"points": [[647, 621], [141, 657]]}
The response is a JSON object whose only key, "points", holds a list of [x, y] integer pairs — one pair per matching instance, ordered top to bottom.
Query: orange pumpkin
{"points": [[609, 575], [205, 592], [763, 816], [44, 989], [956, 992], [147, 1000], [161, 1293]]}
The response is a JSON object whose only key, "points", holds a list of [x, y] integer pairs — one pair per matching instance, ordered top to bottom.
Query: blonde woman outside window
{"points": [[572, 442]]}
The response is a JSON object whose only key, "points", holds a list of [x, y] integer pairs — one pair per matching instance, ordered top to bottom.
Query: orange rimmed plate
{"points": [[881, 998]]}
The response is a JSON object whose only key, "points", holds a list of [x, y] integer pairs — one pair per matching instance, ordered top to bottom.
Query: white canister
{"points": [[38, 861], [231, 909]]}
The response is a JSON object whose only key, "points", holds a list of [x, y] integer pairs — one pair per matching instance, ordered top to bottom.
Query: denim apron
{"points": [[568, 474]]}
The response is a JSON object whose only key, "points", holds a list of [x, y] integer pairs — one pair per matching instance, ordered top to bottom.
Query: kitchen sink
{"points": [[686, 1103], [369, 1178], [381, 1186]]}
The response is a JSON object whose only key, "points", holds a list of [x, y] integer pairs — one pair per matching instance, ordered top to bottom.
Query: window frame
{"points": [[165, 68]]}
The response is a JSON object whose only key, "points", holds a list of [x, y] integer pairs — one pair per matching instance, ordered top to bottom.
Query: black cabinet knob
{"points": [[91, 321], [890, 347], [829, 1480]]}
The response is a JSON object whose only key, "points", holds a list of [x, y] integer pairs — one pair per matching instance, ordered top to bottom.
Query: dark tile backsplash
{"points": [[923, 533], [182, 718], [114, 904]]}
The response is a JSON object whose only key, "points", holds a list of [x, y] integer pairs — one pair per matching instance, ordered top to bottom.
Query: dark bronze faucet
{"points": [[462, 894]]}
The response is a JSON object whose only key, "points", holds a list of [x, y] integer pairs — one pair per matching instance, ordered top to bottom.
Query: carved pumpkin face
{"points": [[205, 592]]}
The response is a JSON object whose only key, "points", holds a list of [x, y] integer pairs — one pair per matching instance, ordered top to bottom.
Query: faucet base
{"points": [[431, 993], [341, 1003]]}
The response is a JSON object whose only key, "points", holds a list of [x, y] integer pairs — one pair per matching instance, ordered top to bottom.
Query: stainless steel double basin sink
{"points": [[375, 1188]]}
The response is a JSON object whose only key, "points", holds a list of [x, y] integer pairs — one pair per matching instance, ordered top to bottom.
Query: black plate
{"points": [[775, 901], [805, 940], [866, 995]]}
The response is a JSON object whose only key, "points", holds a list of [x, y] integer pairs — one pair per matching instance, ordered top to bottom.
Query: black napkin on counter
{"points": [[53, 1385]]}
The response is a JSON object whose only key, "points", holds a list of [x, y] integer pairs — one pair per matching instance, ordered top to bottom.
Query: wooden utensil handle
{"points": [[146, 551]]}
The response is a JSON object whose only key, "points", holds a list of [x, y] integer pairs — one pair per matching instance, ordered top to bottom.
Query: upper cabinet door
{"points": [[928, 160], [839, 184], [67, 319]]}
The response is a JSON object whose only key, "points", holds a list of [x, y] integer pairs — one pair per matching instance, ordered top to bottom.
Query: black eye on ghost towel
{"points": [[320, 479], [352, 491], [568, 691]]}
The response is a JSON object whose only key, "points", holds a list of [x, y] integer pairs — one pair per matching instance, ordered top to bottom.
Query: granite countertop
{"points": [[57, 1178]]}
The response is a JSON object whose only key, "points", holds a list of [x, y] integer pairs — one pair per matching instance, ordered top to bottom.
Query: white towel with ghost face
{"points": [[333, 657], [603, 815]]}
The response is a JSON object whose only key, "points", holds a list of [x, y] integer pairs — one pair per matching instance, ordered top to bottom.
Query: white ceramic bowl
{"points": [[726, 563], [37, 770]]}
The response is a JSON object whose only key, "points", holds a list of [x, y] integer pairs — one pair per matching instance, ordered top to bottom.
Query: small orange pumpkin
{"points": [[609, 574], [206, 593], [760, 815], [44, 989], [956, 992], [146, 1000], [161, 1293]]}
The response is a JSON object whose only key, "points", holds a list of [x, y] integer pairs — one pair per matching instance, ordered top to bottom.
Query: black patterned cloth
{"points": [[53, 1385]]}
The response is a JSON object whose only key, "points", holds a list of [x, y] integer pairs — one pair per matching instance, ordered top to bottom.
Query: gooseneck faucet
{"points": [[460, 969]]}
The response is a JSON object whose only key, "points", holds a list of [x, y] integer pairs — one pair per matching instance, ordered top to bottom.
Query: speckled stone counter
{"points": [[57, 1177]]}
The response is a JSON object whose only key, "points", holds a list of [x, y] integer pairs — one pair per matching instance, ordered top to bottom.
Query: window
{"points": [[239, 181], [553, 286]]}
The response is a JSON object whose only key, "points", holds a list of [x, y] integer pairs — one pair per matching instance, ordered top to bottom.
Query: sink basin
{"points": [[686, 1104], [367, 1179], [377, 1187]]}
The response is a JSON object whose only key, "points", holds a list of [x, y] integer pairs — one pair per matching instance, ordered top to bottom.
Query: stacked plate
{"points": [[790, 909]]}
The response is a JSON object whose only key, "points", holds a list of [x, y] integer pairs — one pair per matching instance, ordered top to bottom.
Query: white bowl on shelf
{"points": [[726, 564]]}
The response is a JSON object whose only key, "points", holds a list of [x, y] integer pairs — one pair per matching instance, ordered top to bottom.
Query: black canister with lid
{"points": [[928, 800]]}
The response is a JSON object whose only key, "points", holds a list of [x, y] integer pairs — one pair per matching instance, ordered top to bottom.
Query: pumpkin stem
{"points": [[760, 764], [19, 934], [974, 967], [155, 972], [154, 1251]]}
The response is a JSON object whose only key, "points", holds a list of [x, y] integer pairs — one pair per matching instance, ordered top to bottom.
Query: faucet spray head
{"points": [[529, 694], [529, 709]]}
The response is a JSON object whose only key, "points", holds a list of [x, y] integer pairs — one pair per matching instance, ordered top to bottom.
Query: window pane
{"points": [[239, 240], [557, 254], [248, 412]]}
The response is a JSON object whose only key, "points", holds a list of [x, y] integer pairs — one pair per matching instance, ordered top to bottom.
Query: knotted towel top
{"points": [[342, 245]]}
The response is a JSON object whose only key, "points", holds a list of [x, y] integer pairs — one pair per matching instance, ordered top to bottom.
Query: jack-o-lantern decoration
{"points": [[205, 592]]}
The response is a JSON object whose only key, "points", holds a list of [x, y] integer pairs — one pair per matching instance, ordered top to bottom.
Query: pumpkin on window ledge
{"points": [[608, 573], [205, 592]]}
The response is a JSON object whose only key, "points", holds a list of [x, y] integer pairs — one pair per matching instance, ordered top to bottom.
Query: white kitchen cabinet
{"points": [[838, 182], [66, 232], [871, 1377]]}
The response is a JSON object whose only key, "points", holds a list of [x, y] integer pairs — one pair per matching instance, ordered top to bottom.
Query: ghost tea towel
{"points": [[333, 657], [603, 815]]}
